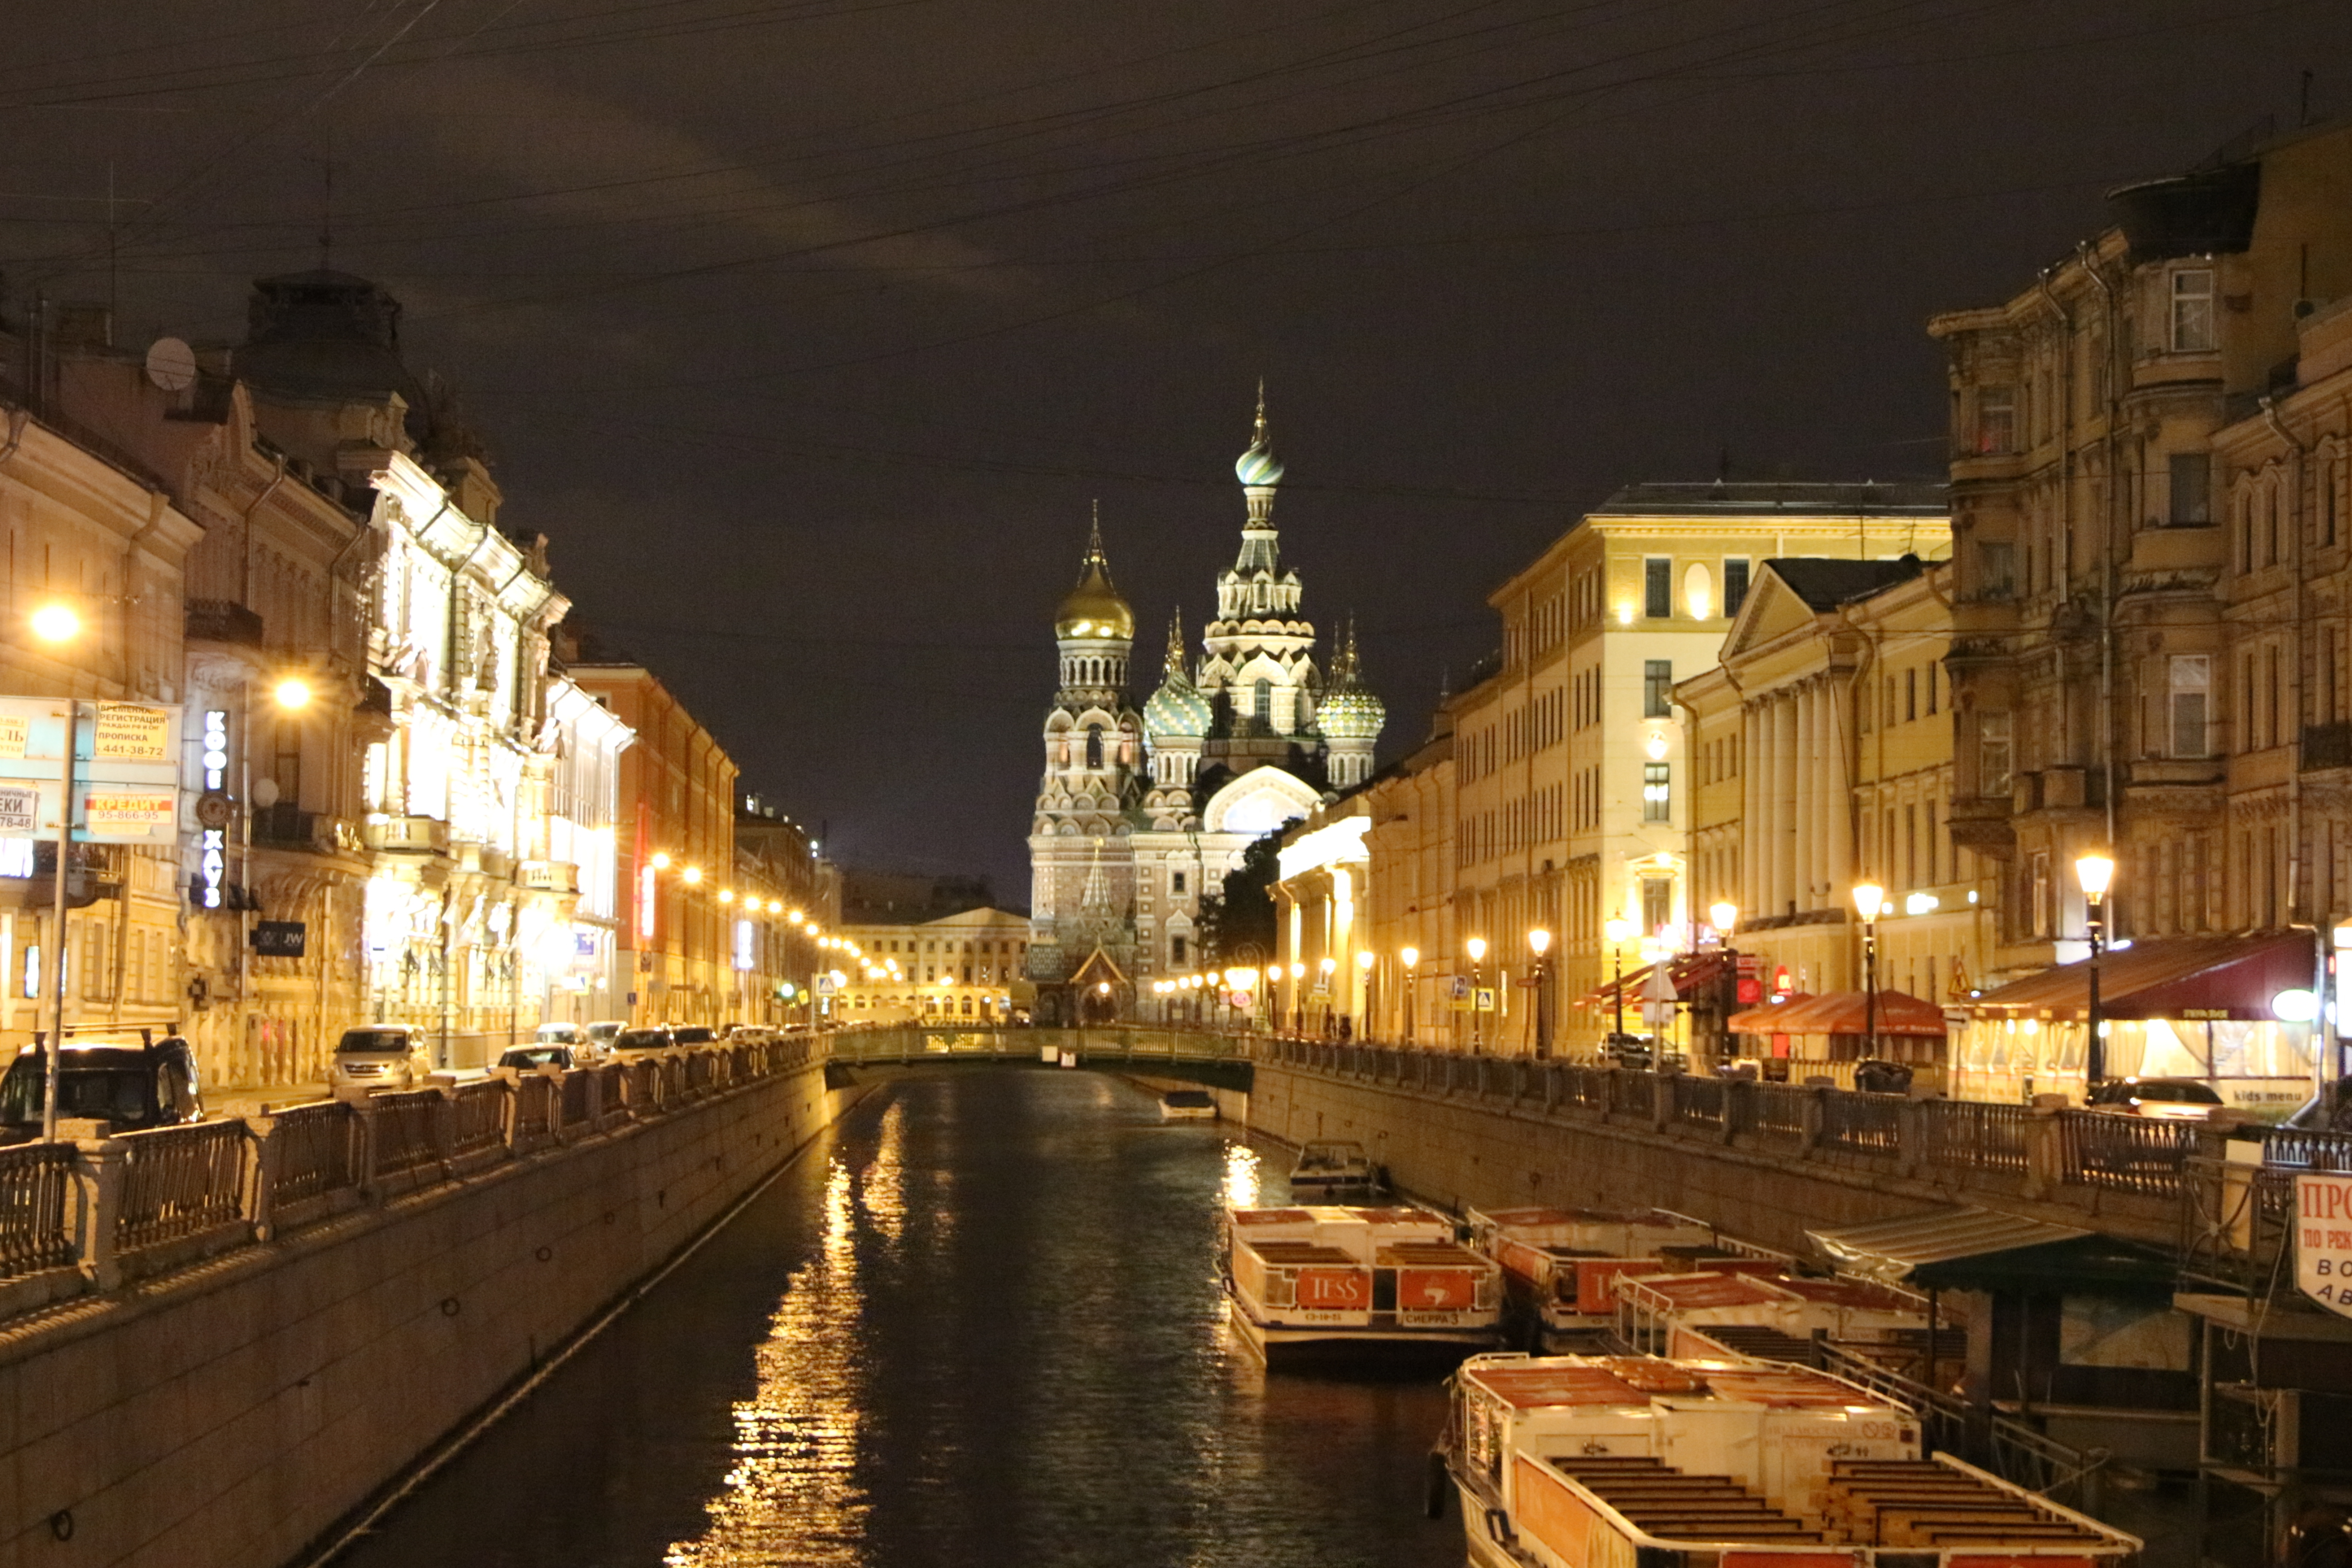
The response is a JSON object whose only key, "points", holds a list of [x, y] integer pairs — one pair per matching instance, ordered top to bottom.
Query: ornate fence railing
{"points": [[178, 1182], [34, 1183]]}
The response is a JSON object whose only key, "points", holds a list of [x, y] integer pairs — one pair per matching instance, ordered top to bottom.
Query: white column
{"points": [[1837, 747], [1784, 804], [1751, 815], [1802, 874]]}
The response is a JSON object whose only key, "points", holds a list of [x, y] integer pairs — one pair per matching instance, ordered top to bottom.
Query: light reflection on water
{"points": [[981, 1326]]}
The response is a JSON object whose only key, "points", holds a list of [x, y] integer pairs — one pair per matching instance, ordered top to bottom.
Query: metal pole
{"points": [[57, 927], [1869, 987], [1543, 1007], [1618, 1033], [2094, 1054]]}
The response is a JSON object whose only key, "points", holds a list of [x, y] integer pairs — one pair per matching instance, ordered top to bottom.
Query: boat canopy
{"points": [[1981, 1249]]}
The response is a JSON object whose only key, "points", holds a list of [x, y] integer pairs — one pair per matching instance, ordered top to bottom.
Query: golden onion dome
{"points": [[1094, 608]]}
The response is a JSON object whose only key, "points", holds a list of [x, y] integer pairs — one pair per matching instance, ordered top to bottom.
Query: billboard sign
{"points": [[2323, 1240]]}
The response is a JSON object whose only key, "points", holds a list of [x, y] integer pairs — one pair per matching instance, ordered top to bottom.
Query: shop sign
{"points": [[132, 733], [15, 734], [20, 808], [115, 815], [278, 938], [2322, 1241]]}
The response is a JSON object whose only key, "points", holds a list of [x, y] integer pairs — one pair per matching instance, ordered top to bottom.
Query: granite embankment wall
{"points": [[1471, 1149], [228, 1413]]}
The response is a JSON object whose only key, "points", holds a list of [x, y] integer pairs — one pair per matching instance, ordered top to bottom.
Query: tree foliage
{"points": [[1240, 913]]}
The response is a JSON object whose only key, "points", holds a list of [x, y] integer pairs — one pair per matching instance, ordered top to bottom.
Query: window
{"points": [[2192, 310], [1995, 420], [1996, 569], [1735, 583], [1658, 588], [1933, 671], [2193, 685], [1657, 687], [1910, 695], [1261, 702], [1094, 746], [1992, 754], [286, 766], [1657, 801], [1175, 879], [1657, 904], [1175, 943]]}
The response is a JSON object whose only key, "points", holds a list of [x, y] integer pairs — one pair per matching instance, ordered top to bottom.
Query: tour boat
{"points": [[1188, 1105], [1334, 1172], [1559, 1266], [1382, 1284], [1773, 1316], [1610, 1461]]}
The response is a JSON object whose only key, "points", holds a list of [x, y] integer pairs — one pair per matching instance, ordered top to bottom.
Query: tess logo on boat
{"points": [[1341, 1290]]}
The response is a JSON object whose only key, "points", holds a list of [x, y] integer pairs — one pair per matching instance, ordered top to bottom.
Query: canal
{"points": [[977, 1322]]}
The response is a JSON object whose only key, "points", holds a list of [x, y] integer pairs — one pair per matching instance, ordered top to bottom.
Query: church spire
{"points": [[1174, 663]]}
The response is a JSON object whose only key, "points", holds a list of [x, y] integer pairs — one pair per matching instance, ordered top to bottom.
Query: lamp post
{"points": [[55, 623], [2096, 872], [1869, 901], [1726, 915], [1617, 929], [1539, 943], [1476, 948], [1410, 958], [1327, 968], [1364, 972], [1297, 999], [1272, 1010]]}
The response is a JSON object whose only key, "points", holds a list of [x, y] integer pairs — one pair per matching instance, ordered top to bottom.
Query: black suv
{"points": [[132, 1085]]}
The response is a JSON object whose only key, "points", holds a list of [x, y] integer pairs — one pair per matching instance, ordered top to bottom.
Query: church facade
{"points": [[1142, 811]]}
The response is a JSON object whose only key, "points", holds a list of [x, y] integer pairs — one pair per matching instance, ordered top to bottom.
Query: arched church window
{"points": [[1264, 701], [1094, 745]]}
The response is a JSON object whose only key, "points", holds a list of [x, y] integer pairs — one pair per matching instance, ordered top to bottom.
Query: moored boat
{"points": [[1333, 1172], [1559, 1266], [1312, 1283], [1610, 1461]]}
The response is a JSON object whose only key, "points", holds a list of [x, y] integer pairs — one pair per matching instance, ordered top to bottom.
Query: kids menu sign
{"points": [[2323, 1240]]}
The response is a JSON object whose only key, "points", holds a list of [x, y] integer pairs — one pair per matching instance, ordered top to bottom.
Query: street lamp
{"points": [[54, 622], [57, 623], [2096, 872], [1869, 902], [1726, 915], [1617, 929], [1539, 943], [1476, 948], [1364, 972]]}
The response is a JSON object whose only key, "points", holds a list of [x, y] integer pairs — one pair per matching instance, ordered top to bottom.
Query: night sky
{"points": [[809, 330]]}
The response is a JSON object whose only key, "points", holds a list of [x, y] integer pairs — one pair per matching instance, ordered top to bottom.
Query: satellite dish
{"points": [[171, 364]]}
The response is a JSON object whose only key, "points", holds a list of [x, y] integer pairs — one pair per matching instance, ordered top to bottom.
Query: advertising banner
{"points": [[132, 733], [20, 808], [129, 816], [2323, 1240]]}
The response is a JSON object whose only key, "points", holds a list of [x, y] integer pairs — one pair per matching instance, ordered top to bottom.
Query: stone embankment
{"points": [[227, 1336]]}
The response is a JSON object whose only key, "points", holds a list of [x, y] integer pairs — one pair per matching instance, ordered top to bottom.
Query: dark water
{"points": [[978, 1323]]}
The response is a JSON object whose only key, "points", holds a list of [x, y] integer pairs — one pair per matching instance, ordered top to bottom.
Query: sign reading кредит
{"points": [[2323, 1240]]}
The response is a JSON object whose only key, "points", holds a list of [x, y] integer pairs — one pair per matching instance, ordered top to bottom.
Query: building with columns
{"points": [[1822, 759], [1570, 764], [1142, 812]]}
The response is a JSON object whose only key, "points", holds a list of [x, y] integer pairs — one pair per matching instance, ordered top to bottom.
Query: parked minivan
{"points": [[651, 1038], [380, 1056], [130, 1083]]}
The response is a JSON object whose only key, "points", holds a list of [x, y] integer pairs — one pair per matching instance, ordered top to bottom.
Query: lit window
{"points": [[1996, 421], [1657, 792]]}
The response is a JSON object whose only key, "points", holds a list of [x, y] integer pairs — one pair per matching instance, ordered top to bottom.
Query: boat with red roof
{"points": [[1328, 1282], [1619, 1461]]}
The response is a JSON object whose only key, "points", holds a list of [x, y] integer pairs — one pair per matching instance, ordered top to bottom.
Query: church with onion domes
{"points": [[1141, 812]]}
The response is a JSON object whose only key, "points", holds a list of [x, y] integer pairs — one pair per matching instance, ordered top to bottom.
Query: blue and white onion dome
{"points": [[1259, 469], [1178, 710], [1351, 713]]}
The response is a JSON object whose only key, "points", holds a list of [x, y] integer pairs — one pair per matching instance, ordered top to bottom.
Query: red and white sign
{"points": [[2323, 1240], [1334, 1289], [1436, 1289]]}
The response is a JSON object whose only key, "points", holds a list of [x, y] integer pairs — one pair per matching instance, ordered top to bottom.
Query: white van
{"points": [[380, 1056]]}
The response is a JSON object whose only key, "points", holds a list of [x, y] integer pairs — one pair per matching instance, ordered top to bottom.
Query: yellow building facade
{"points": [[1570, 765], [960, 968]]}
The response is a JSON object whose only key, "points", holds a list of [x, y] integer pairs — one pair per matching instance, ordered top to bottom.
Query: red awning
{"points": [[1690, 971], [2168, 977], [1847, 1013], [1765, 1020]]}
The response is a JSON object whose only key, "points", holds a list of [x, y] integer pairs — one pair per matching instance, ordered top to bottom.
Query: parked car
{"points": [[601, 1033], [692, 1035], [650, 1037], [1625, 1051], [547, 1054], [380, 1056], [1874, 1076], [131, 1083], [2179, 1098]]}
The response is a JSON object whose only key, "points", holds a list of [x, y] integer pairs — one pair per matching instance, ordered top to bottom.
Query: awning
{"points": [[1690, 972], [2167, 977], [1845, 1013], [1765, 1020], [1981, 1249]]}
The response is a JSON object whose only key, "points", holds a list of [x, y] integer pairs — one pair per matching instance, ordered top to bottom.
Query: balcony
{"points": [[224, 621], [2326, 746], [1982, 824], [288, 827], [407, 835], [548, 877]]}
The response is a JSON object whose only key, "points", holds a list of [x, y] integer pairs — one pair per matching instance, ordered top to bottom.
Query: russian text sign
{"points": [[2323, 1240]]}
